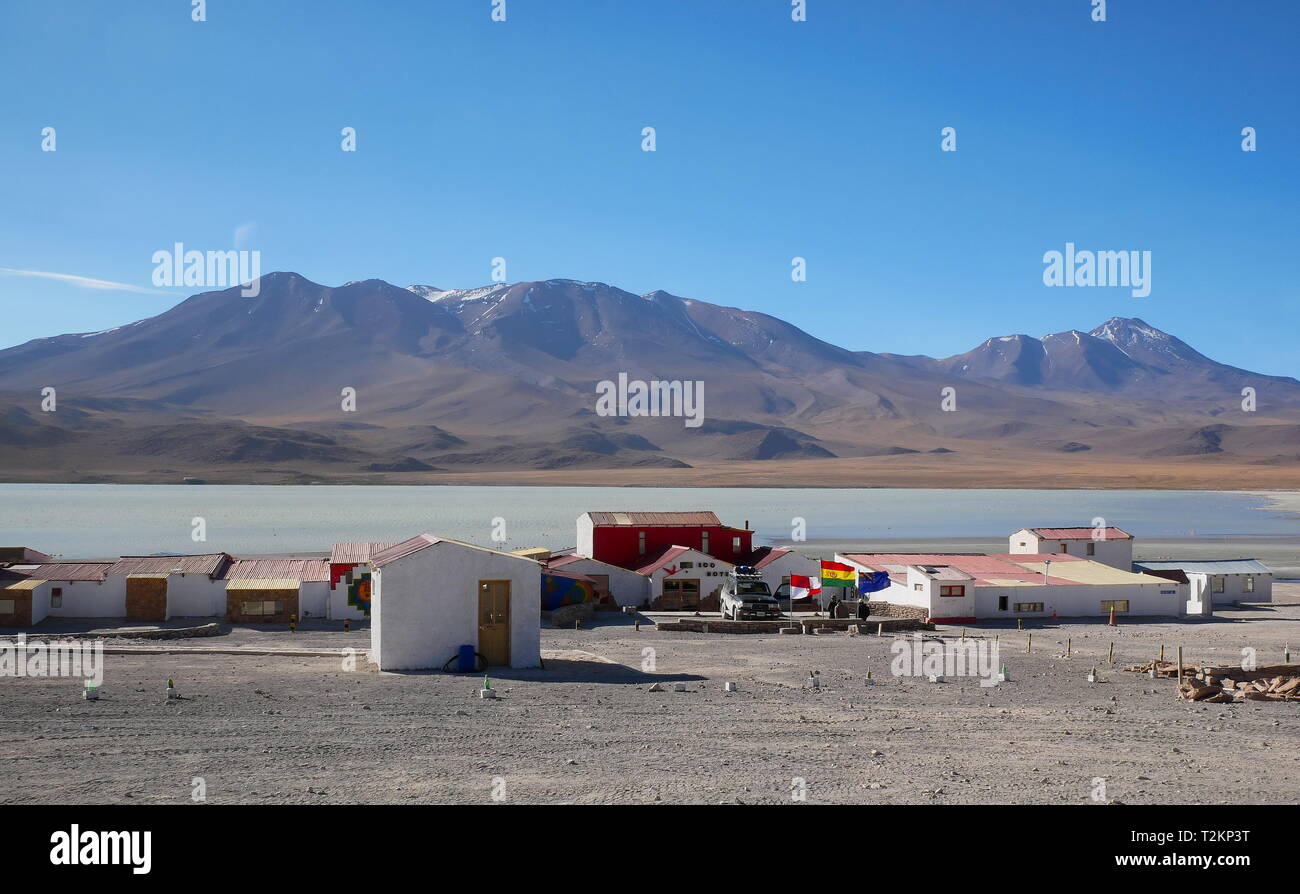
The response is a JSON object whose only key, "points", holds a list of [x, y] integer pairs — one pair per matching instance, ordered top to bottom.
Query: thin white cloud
{"points": [[244, 233], [84, 282]]}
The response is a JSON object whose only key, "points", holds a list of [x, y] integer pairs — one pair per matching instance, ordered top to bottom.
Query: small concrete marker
{"points": [[880, 628], [1092, 675], [1003, 676], [936, 678], [814, 681], [729, 686], [679, 687], [171, 690], [487, 691], [91, 692]]}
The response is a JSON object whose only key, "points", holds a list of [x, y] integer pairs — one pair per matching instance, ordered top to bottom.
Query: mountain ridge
{"points": [[508, 371]]}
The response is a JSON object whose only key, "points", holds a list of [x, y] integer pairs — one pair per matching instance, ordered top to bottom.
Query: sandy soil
{"points": [[995, 467], [271, 729]]}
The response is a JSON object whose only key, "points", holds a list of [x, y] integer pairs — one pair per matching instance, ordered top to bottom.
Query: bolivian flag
{"points": [[836, 575]]}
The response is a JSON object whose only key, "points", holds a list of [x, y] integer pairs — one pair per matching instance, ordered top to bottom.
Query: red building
{"points": [[631, 539]]}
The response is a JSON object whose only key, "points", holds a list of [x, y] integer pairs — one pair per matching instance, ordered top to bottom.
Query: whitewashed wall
{"points": [[627, 587], [195, 596], [91, 599], [313, 599], [425, 606]]}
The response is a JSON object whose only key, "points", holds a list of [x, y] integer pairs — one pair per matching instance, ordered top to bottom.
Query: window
{"points": [[704, 541], [640, 542], [1022, 543], [735, 544], [1065, 548], [1092, 548], [688, 565], [1218, 583], [1250, 583], [918, 586], [952, 591], [56, 597], [1002, 603], [1116, 605], [6, 606], [1029, 606], [262, 609]]}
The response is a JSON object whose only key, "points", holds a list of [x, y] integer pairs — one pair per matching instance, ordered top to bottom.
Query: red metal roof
{"points": [[654, 519], [1081, 533], [403, 549], [356, 552], [667, 556], [212, 564], [983, 568], [278, 569], [70, 571]]}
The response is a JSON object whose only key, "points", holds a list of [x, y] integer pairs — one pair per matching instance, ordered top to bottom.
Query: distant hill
{"points": [[502, 379]]}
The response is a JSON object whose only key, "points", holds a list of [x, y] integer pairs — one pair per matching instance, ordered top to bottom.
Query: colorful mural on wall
{"points": [[359, 590], [558, 591]]}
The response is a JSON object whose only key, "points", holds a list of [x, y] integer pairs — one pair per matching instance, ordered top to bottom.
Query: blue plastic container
{"points": [[465, 660]]}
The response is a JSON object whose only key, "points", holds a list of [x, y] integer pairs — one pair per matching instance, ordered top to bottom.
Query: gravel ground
{"points": [[274, 729]]}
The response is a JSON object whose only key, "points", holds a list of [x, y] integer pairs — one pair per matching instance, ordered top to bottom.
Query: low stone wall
{"points": [[889, 610], [838, 625], [160, 633]]}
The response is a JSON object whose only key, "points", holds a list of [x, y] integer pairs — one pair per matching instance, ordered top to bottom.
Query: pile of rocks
{"points": [[1278, 682]]}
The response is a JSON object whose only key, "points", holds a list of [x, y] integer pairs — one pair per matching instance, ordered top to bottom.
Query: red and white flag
{"points": [[802, 587]]}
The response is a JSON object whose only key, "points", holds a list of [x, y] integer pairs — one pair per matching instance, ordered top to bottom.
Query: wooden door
{"points": [[681, 595], [146, 598], [494, 622]]}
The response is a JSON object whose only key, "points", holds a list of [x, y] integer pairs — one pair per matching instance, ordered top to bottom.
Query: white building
{"points": [[1108, 545], [682, 578], [350, 581], [1225, 582], [624, 587], [158, 588], [964, 588], [431, 596]]}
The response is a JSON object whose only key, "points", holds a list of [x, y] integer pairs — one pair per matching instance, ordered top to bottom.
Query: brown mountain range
{"points": [[499, 384]]}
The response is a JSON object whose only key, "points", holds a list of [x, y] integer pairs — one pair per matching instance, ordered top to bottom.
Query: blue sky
{"points": [[522, 139]]}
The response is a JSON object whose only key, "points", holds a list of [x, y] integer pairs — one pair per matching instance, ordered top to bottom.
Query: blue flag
{"points": [[872, 581]]}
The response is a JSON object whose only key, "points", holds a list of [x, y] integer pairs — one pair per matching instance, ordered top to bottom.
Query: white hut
{"points": [[431, 596]]}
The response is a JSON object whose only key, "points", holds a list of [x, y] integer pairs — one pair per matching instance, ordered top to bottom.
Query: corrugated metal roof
{"points": [[654, 519], [1081, 533], [424, 541], [355, 552], [766, 555], [667, 556], [562, 561], [211, 564], [1217, 566], [278, 569], [70, 571], [147, 576], [253, 583]]}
